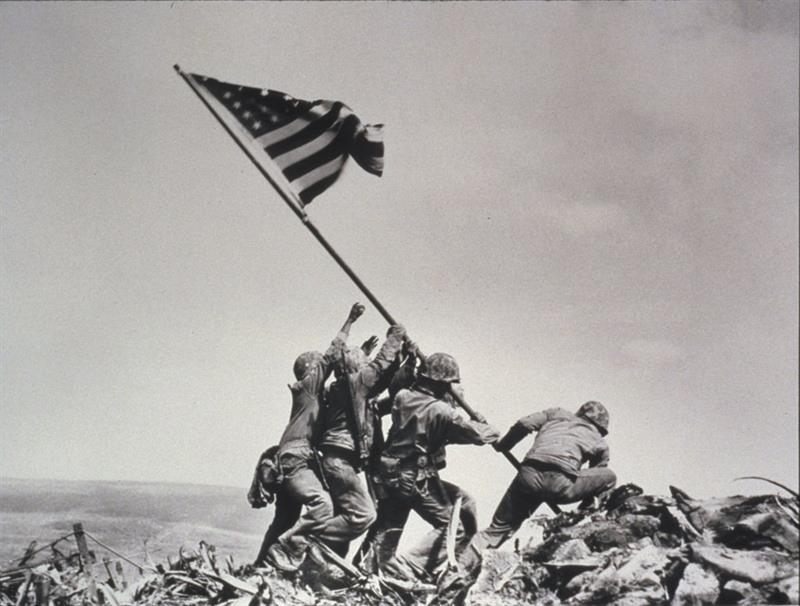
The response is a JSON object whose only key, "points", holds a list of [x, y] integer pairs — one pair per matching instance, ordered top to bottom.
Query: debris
{"points": [[741, 522], [452, 532], [632, 549], [753, 566], [698, 586]]}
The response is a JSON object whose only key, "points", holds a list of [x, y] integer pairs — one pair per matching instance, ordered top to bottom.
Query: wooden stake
{"points": [[86, 561], [121, 576], [112, 579], [42, 591], [22, 592]]}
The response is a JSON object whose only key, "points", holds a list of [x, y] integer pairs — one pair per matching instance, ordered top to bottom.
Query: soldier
{"points": [[423, 423], [348, 434], [551, 472], [302, 482], [264, 489]]}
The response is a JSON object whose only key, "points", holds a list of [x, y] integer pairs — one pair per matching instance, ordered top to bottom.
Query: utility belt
{"points": [[549, 467], [390, 468], [396, 474]]}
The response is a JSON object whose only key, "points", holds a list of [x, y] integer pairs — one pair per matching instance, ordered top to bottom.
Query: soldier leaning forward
{"points": [[423, 423], [550, 473], [302, 482]]}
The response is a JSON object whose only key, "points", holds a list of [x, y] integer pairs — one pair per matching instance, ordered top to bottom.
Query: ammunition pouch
{"points": [[390, 470]]}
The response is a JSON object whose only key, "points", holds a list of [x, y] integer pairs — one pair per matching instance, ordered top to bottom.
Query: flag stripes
{"points": [[308, 141]]}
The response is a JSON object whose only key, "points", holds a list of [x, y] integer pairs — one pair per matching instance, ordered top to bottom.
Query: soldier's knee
{"points": [[611, 479], [468, 504], [320, 507], [469, 515], [362, 519], [369, 519]]}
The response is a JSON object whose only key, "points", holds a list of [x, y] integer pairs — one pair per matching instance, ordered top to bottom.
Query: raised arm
{"points": [[355, 313], [340, 340], [375, 376]]}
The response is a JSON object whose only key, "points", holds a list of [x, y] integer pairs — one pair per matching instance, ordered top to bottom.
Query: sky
{"points": [[580, 201]]}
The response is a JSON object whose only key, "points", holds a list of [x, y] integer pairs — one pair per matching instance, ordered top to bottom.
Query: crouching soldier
{"points": [[423, 423], [348, 434], [551, 472], [302, 483]]}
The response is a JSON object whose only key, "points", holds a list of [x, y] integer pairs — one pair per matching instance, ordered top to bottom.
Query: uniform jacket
{"points": [[348, 397], [423, 425], [304, 428], [564, 440]]}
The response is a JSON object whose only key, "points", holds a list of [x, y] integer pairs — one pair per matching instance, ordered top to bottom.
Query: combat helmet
{"points": [[305, 361], [441, 367], [596, 413]]}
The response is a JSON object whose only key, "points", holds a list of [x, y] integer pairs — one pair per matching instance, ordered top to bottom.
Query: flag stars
{"points": [[227, 94], [237, 104], [247, 114], [257, 124]]}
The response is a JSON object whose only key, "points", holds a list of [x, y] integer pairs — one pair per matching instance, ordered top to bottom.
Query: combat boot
{"points": [[284, 558]]}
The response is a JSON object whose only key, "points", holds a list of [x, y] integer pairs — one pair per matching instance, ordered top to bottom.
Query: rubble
{"points": [[632, 549], [637, 549]]}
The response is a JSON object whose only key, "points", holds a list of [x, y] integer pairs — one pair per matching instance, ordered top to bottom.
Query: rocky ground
{"points": [[632, 549]]}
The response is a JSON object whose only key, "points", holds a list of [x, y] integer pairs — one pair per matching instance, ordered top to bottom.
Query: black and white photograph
{"points": [[413, 303]]}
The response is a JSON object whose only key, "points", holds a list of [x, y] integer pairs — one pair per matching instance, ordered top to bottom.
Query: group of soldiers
{"points": [[335, 436]]}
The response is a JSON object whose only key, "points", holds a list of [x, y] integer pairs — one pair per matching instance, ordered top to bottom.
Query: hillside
{"points": [[126, 514], [631, 549]]}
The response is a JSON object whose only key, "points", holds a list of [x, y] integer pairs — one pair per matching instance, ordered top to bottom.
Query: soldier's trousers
{"points": [[302, 484], [529, 489], [431, 499], [354, 511], [287, 512], [430, 551], [427, 554]]}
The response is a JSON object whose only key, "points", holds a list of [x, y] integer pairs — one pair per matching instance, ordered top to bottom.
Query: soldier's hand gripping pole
{"points": [[471, 412], [476, 416]]}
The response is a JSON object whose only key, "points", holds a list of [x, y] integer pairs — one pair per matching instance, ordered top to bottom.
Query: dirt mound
{"points": [[631, 549]]}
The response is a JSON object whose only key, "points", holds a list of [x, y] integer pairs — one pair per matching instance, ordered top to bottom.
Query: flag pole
{"points": [[293, 205], [306, 220]]}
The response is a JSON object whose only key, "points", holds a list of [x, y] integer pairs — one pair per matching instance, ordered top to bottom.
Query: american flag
{"points": [[309, 141]]}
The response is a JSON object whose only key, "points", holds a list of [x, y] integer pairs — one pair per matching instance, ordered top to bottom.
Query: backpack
{"points": [[267, 478]]}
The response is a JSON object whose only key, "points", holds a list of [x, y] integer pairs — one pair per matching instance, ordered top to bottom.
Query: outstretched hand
{"points": [[355, 312], [369, 345], [411, 348]]}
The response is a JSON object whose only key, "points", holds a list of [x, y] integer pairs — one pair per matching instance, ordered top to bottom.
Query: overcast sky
{"points": [[581, 201]]}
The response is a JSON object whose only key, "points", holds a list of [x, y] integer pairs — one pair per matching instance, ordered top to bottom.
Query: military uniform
{"points": [[347, 441], [551, 472], [408, 479], [302, 484], [287, 512]]}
